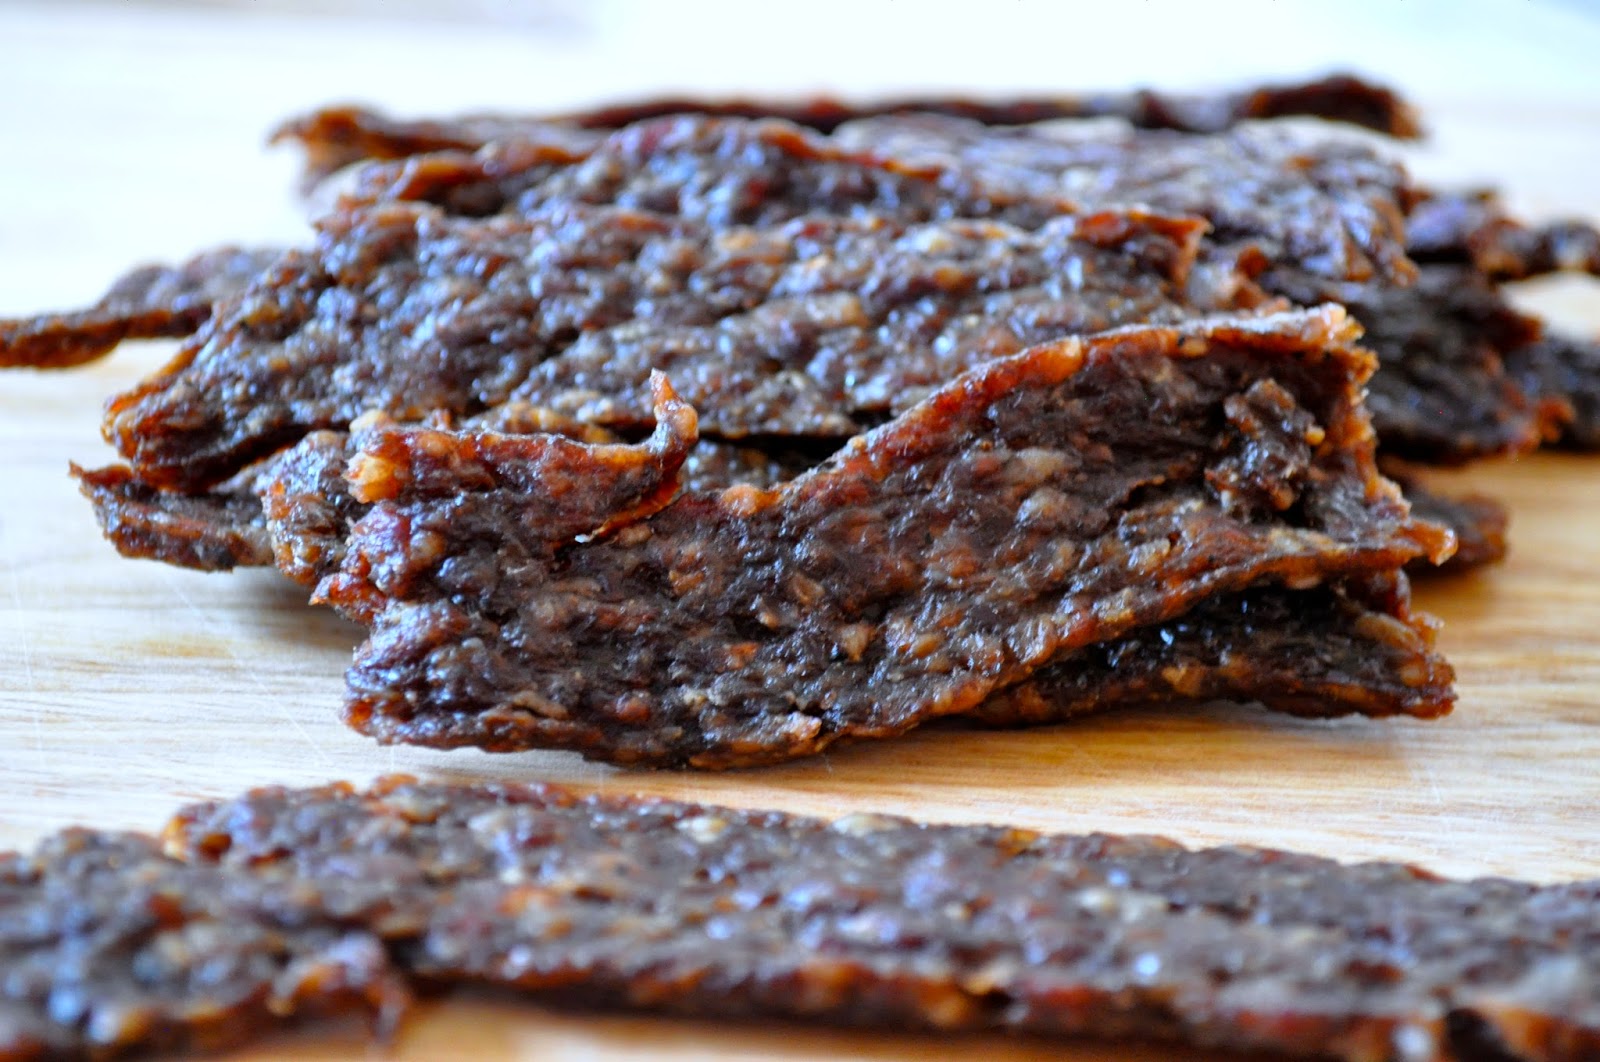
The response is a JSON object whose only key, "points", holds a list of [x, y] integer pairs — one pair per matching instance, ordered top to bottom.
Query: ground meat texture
{"points": [[335, 137], [1322, 208], [1473, 227], [152, 302], [789, 330], [1563, 372], [1441, 394], [1057, 499], [219, 530], [1354, 647], [337, 899], [107, 945]]}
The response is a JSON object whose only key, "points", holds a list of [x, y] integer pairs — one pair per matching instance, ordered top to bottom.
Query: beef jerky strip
{"points": [[1337, 98], [335, 137], [1317, 208], [1329, 209], [1473, 227], [152, 302], [794, 330], [1563, 371], [1441, 394], [1061, 498], [1478, 522], [1356, 647], [1305, 651], [283, 904]]}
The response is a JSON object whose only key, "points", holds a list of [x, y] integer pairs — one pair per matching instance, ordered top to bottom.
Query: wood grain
{"points": [[127, 688]]}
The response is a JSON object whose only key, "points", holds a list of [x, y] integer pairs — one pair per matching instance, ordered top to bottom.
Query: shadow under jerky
{"points": [[287, 904]]}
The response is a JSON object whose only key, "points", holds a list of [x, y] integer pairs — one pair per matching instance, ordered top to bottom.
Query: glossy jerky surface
{"points": [[149, 303], [791, 330], [1057, 499], [336, 899]]}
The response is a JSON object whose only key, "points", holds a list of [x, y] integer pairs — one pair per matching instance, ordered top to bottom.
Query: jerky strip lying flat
{"points": [[335, 137], [149, 303], [794, 330], [1564, 372], [1061, 498], [1478, 522], [285, 904]]}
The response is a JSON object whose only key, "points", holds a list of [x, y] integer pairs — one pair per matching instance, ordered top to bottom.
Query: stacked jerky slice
{"points": [[1462, 375], [1161, 497], [284, 905]]}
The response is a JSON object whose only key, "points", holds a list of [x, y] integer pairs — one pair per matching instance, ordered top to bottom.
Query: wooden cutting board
{"points": [[128, 688]]}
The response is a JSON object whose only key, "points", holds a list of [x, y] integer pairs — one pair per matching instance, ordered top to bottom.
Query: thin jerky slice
{"points": [[1336, 98], [335, 137], [1314, 208], [1474, 227], [152, 302], [791, 330], [1563, 371], [1441, 394], [1053, 500], [1478, 522], [219, 530], [1356, 647], [336, 898]]}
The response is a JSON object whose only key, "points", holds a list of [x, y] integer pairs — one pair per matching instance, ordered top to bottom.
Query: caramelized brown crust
{"points": [[285, 904]]}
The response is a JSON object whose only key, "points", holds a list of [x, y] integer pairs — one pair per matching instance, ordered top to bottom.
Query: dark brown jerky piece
{"points": [[335, 137], [722, 171], [1323, 209], [1473, 227], [152, 302], [791, 330], [1564, 372], [1441, 393], [1058, 499], [1478, 522], [216, 531], [1321, 652], [869, 920], [108, 945]]}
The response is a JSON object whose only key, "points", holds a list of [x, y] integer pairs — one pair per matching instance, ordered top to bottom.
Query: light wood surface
{"points": [[128, 688]]}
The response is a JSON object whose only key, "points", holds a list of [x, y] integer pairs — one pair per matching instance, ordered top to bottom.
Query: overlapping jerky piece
{"points": [[335, 137], [1313, 207], [1329, 209], [1473, 227], [150, 303], [795, 330], [1563, 372], [1441, 393], [1061, 498], [1352, 647], [288, 903]]}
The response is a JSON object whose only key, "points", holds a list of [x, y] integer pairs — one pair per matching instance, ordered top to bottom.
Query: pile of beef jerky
{"points": [[714, 434], [287, 904]]}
